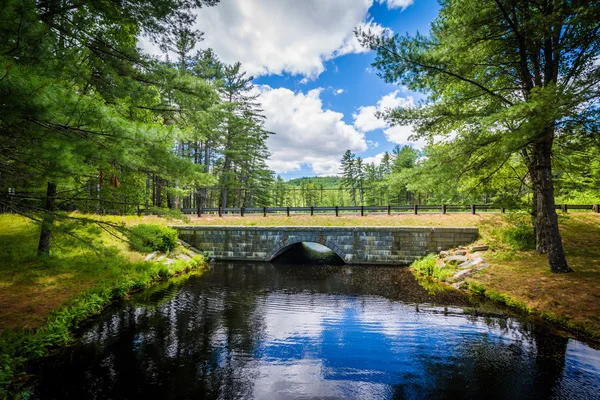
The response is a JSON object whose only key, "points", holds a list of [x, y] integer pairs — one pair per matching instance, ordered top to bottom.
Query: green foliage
{"points": [[327, 182], [518, 234], [150, 237], [428, 266], [109, 272], [499, 297]]}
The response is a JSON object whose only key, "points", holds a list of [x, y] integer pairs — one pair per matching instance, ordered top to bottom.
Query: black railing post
{"points": [[416, 208], [389, 209], [444, 209], [473, 209], [312, 210], [503, 210], [199, 211], [220, 211], [241, 211], [264, 211], [288, 211], [336, 211], [362, 211]]}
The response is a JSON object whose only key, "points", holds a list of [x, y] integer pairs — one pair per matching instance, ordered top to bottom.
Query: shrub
{"points": [[519, 236], [147, 237], [427, 266]]}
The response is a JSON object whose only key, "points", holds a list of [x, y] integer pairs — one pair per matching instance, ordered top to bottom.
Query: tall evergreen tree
{"points": [[507, 77], [349, 175]]}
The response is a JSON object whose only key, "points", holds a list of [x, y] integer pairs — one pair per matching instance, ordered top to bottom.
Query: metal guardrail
{"points": [[364, 210]]}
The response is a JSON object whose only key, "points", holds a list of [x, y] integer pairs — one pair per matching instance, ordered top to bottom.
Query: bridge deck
{"points": [[354, 244]]}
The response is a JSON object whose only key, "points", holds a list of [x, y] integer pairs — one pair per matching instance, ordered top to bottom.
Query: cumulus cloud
{"points": [[396, 3], [276, 36], [351, 43], [338, 91], [365, 119], [306, 133], [400, 134], [376, 159]]}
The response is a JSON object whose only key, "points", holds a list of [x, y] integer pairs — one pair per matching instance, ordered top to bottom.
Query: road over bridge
{"points": [[355, 245]]}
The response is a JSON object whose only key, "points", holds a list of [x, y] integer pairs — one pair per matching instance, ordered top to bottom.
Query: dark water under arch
{"points": [[282, 331]]}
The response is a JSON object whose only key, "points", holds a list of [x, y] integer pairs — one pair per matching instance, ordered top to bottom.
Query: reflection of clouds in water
{"points": [[291, 315], [580, 357], [305, 379]]}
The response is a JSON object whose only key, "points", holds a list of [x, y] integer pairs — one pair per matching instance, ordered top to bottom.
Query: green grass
{"points": [[428, 266], [44, 299]]}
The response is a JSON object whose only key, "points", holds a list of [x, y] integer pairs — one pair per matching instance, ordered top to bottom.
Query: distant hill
{"points": [[326, 181]]}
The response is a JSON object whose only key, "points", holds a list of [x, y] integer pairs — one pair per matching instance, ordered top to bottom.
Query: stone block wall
{"points": [[355, 245]]}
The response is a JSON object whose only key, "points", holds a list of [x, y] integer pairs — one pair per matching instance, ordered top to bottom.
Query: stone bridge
{"points": [[355, 245]]}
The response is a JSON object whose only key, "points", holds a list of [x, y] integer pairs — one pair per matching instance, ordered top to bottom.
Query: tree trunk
{"points": [[158, 190], [546, 221], [46, 232], [538, 234]]}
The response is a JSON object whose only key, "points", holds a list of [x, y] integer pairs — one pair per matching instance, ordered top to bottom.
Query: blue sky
{"points": [[315, 81]]}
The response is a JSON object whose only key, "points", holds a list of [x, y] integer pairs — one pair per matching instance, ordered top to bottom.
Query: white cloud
{"points": [[396, 3], [276, 36], [351, 43], [338, 91], [366, 120], [305, 132], [400, 134], [372, 144], [376, 159]]}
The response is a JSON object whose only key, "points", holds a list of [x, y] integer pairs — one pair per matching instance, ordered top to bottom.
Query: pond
{"points": [[283, 331]]}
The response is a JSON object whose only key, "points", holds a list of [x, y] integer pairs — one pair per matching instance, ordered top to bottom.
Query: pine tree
{"points": [[349, 174]]}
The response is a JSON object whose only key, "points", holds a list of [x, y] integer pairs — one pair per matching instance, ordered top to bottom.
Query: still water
{"points": [[281, 331]]}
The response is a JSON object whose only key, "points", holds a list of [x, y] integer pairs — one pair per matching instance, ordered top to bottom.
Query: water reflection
{"points": [[280, 331]]}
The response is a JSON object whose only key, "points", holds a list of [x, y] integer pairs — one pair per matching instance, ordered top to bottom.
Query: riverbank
{"points": [[520, 277], [43, 300]]}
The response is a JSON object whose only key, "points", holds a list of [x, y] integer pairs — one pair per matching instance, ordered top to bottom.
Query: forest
{"points": [[91, 122]]}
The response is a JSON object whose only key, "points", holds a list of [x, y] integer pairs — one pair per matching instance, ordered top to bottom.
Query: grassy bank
{"points": [[520, 277], [44, 299]]}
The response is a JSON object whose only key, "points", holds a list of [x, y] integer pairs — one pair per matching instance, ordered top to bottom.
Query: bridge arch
{"points": [[281, 246]]}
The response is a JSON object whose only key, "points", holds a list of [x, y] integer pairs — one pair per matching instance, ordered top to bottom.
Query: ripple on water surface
{"points": [[278, 331]]}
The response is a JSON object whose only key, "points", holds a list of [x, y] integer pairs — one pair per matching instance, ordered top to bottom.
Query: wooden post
{"points": [[416, 207], [564, 208], [597, 208], [389, 209], [444, 209], [473, 209], [312, 210], [503, 210], [199, 211], [220, 211], [241, 211], [264, 211], [288, 211], [336, 211], [362, 211]]}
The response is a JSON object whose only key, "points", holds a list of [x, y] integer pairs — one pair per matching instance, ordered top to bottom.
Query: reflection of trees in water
{"points": [[199, 339], [196, 344], [522, 366]]}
